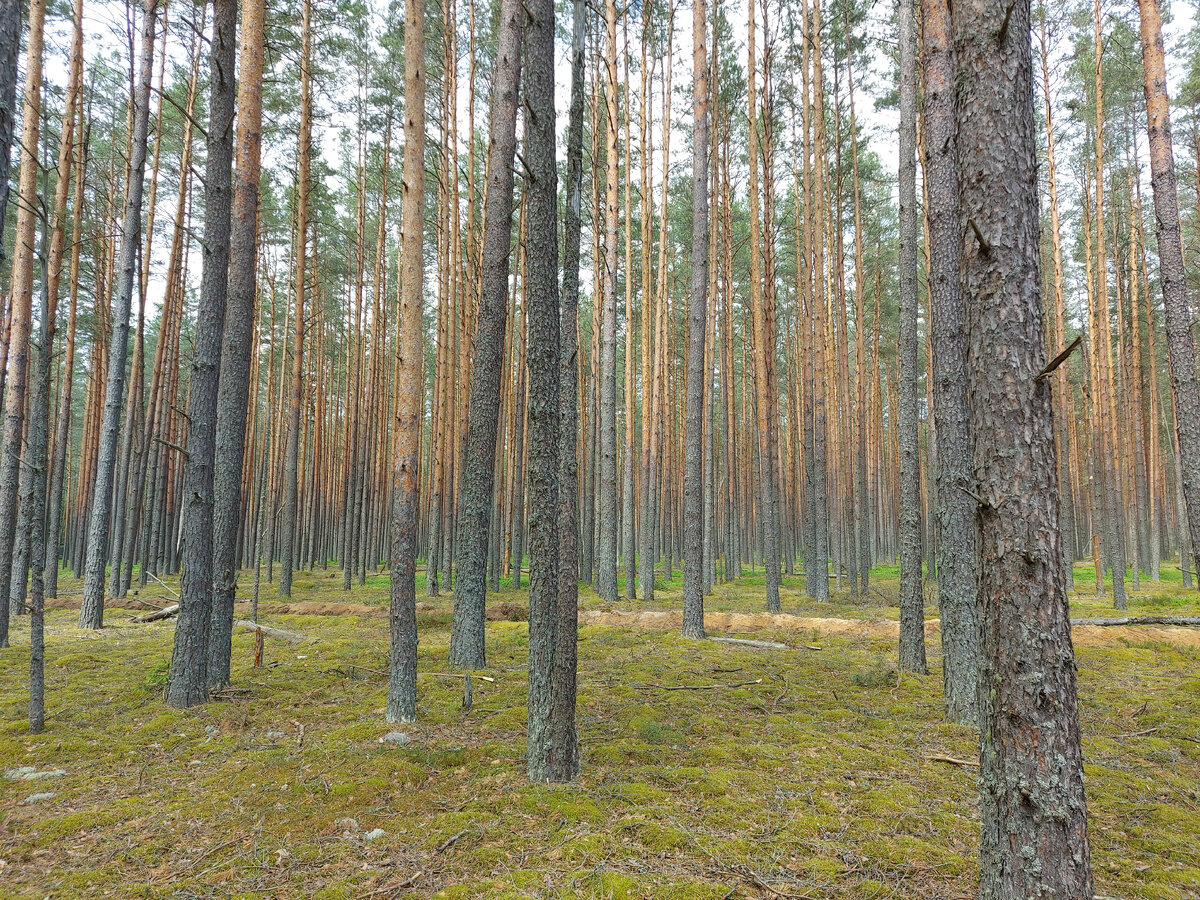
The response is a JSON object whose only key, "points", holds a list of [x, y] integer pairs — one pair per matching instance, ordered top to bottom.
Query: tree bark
{"points": [[10, 48], [20, 319], [237, 345], [1181, 348], [542, 361], [291, 456], [477, 487], [693, 488], [958, 553], [606, 566], [912, 601], [91, 613], [402, 666], [187, 682], [562, 755], [1034, 840]]}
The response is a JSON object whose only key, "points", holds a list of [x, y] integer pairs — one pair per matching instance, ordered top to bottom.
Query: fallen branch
{"points": [[166, 587], [165, 613], [1187, 621], [291, 637], [746, 642], [383, 674], [455, 675], [697, 687], [954, 761], [450, 841]]}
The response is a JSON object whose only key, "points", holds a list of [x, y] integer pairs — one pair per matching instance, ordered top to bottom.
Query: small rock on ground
{"points": [[399, 738], [30, 773], [38, 798]]}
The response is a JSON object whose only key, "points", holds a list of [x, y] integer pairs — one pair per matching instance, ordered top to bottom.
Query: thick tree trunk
{"points": [[237, 345], [1181, 348], [542, 361], [410, 396], [477, 486], [693, 489], [958, 552], [912, 601], [91, 613], [187, 682], [562, 753], [1031, 777]]}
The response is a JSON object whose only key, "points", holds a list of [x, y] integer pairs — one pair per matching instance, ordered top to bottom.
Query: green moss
{"points": [[783, 776], [661, 838], [586, 848]]}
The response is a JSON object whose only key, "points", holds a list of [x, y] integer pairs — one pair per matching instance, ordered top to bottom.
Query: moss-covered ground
{"points": [[802, 773]]}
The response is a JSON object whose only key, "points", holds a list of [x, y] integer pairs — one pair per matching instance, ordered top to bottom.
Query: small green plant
{"points": [[881, 674], [157, 677]]}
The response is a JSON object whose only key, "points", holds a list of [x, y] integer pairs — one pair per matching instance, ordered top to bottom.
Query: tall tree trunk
{"points": [[10, 49], [20, 319], [764, 339], [237, 345], [1181, 348], [542, 361], [1061, 382], [62, 426], [291, 457], [477, 486], [693, 488], [629, 498], [44, 519], [958, 552], [606, 567], [912, 600], [91, 613], [402, 667], [187, 682], [562, 757], [1032, 803]]}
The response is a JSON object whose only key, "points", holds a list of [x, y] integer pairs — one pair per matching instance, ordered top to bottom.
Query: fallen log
{"points": [[165, 613], [1186, 621]]}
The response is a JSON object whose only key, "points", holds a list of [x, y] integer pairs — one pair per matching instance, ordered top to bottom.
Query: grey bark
{"points": [[10, 47], [236, 347], [1181, 348], [542, 362], [291, 454], [693, 477], [477, 484], [606, 549], [958, 552], [912, 603], [91, 613], [402, 662], [187, 681], [562, 755], [1033, 811]]}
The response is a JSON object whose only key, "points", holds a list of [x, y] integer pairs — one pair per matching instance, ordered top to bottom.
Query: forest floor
{"points": [[710, 769]]}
